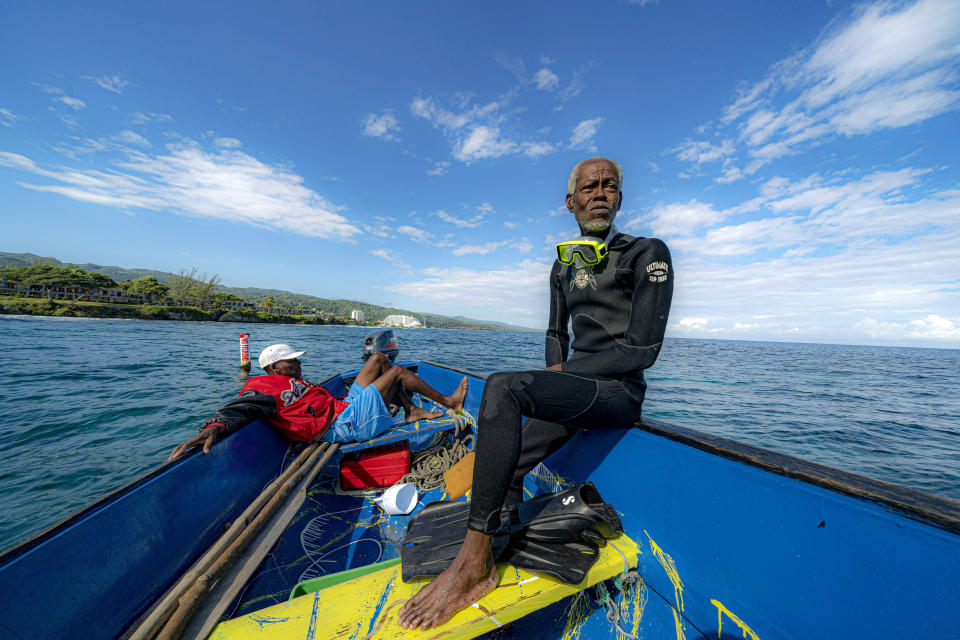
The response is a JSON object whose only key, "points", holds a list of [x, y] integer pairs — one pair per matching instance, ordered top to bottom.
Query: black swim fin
{"points": [[557, 534], [434, 537], [566, 561]]}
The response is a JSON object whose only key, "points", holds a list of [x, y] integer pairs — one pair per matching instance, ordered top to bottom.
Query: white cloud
{"points": [[514, 65], [889, 65], [546, 79], [113, 83], [577, 84], [74, 103], [9, 118], [144, 118], [70, 121], [384, 126], [474, 132], [584, 133], [129, 137], [483, 142], [228, 143], [537, 149], [700, 151], [439, 169], [228, 185], [675, 219], [472, 222], [509, 225], [418, 235], [746, 238], [479, 249], [389, 257], [844, 258], [518, 290], [685, 324], [933, 326]]}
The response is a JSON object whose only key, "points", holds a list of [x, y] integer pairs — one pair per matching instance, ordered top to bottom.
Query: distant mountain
{"points": [[282, 298]]}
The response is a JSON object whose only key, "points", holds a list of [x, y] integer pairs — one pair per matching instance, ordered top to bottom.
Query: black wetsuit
{"points": [[619, 313]]}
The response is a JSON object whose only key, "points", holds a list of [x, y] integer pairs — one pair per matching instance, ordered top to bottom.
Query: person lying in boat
{"points": [[617, 290], [306, 412]]}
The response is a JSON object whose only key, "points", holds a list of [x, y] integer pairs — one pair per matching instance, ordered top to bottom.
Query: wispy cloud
{"points": [[890, 65], [546, 79], [113, 83], [74, 103], [9, 118], [145, 118], [384, 126], [475, 132], [583, 134], [129, 137], [227, 143], [439, 169], [186, 179], [471, 222], [416, 234], [479, 249], [389, 257], [828, 257], [517, 290]]}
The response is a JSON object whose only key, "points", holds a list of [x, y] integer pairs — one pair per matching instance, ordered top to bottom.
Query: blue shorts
{"points": [[365, 418]]}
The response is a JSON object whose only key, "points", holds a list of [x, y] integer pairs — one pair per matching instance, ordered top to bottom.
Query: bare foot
{"points": [[456, 400], [415, 413], [472, 575]]}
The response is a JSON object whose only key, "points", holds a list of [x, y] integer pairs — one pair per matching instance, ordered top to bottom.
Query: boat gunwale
{"points": [[913, 503], [919, 505]]}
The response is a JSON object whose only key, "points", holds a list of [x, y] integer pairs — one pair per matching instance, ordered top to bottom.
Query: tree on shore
{"points": [[49, 274], [181, 284], [188, 285], [148, 286], [203, 288], [222, 297]]}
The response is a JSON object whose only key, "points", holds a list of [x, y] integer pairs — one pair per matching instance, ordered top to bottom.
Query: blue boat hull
{"points": [[735, 541]]}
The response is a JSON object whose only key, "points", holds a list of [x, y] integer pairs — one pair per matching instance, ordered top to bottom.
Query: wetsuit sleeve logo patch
{"points": [[658, 271]]}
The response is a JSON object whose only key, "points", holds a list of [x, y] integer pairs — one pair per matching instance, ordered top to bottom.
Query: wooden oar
{"points": [[235, 579], [193, 598], [162, 611]]}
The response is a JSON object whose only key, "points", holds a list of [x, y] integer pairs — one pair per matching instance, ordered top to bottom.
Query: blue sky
{"points": [[799, 158]]}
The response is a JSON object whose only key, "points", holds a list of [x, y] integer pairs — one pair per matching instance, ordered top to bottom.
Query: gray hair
{"points": [[572, 182]]}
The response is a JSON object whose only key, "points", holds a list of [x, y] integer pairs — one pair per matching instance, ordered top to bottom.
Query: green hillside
{"points": [[342, 308]]}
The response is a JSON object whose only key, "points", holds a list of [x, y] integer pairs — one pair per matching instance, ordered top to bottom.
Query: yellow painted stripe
{"points": [[366, 607]]}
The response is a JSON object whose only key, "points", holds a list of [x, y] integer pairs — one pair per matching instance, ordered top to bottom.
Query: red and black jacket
{"points": [[297, 409]]}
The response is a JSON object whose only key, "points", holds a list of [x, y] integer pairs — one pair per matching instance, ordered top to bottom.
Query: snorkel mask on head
{"points": [[589, 251]]}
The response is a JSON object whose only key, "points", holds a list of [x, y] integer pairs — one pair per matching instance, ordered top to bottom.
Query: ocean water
{"points": [[87, 405]]}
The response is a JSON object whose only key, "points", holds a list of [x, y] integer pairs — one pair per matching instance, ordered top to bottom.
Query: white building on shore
{"points": [[357, 315], [396, 320]]}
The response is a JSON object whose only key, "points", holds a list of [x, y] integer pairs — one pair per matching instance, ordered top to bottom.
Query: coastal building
{"points": [[357, 315], [397, 320]]}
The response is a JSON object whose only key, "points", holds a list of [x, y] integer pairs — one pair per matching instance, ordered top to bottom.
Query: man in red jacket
{"points": [[304, 412]]}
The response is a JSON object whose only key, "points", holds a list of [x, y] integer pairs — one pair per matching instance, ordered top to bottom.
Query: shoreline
{"points": [[42, 307], [80, 309]]}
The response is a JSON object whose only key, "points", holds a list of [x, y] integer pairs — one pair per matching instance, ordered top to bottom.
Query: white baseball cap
{"points": [[276, 353]]}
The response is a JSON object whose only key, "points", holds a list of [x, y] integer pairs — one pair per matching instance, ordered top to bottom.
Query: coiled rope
{"points": [[428, 466]]}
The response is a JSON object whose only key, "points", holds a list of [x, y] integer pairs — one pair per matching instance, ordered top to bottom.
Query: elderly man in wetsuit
{"points": [[617, 291], [304, 412]]}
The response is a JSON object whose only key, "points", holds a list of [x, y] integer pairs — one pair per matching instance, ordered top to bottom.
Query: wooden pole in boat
{"points": [[191, 600], [162, 611]]}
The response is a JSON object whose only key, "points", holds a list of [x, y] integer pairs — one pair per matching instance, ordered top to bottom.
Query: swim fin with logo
{"points": [[558, 533]]}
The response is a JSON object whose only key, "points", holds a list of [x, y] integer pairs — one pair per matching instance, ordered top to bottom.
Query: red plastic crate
{"points": [[375, 467]]}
